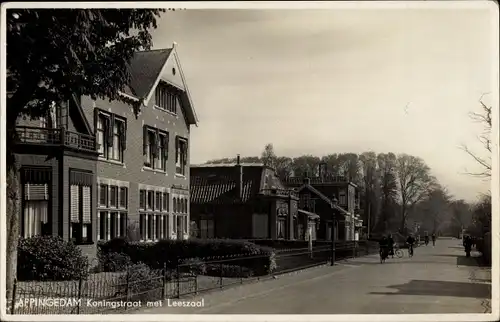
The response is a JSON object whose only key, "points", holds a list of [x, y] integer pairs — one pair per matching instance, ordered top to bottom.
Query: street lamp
{"points": [[335, 202]]}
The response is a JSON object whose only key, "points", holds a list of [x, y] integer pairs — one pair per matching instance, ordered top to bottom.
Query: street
{"points": [[436, 280]]}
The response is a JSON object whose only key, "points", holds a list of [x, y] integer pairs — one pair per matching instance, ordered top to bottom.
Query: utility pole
{"points": [[334, 210]]}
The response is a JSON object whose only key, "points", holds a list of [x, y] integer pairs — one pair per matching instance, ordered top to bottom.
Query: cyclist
{"points": [[433, 240], [410, 241], [383, 244], [390, 244]]}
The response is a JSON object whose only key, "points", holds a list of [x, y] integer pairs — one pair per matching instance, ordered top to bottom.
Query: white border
{"points": [[269, 5]]}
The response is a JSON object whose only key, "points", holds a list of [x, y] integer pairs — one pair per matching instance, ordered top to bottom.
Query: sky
{"points": [[329, 81]]}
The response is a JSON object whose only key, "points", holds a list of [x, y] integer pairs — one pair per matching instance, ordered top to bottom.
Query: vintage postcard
{"points": [[252, 161]]}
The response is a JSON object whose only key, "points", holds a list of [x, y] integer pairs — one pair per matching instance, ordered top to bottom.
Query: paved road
{"points": [[435, 280]]}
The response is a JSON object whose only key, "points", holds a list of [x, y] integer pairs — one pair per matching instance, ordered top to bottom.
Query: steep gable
{"points": [[148, 68], [322, 197]]}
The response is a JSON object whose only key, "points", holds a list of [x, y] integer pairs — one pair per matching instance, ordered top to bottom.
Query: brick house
{"points": [[106, 171], [318, 194], [245, 201]]}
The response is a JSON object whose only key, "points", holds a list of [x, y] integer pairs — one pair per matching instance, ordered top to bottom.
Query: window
{"points": [[165, 98], [111, 133], [155, 148], [181, 156], [103, 195], [113, 197], [123, 197], [342, 197], [142, 199], [151, 201], [158, 201], [165, 202], [175, 204], [35, 210], [80, 214], [112, 215], [153, 221], [175, 224], [185, 224], [180, 225], [206, 228], [281, 228]]}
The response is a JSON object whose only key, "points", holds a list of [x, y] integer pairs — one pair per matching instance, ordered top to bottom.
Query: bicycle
{"points": [[410, 250], [398, 252]]}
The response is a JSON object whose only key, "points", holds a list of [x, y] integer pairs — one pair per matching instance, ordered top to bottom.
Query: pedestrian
{"points": [[433, 240], [390, 242]]}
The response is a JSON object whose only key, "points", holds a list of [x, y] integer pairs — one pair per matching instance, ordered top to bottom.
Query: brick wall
{"points": [[132, 170]]}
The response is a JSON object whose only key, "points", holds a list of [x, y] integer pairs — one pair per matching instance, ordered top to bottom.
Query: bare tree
{"points": [[484, 117], [268, 156], [415, 182], [388, 187]]}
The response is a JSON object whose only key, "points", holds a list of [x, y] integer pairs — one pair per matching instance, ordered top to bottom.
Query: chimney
{"points": [[322, 171], [239, 176]]}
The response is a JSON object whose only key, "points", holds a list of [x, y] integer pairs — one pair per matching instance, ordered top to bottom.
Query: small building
{"points": [[325, 194], [244, 201]]}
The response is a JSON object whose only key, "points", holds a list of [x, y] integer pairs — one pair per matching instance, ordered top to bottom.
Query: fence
{"points": [[139, 286]]}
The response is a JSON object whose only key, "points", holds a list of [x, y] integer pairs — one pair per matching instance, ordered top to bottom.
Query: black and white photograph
{"points": [[181, 160]]}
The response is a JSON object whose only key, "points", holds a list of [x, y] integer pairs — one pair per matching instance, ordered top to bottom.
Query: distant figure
{"points": [[426, 239], [433, 240], [410, 241], [383, 244], [390, 244], [468, 245]]}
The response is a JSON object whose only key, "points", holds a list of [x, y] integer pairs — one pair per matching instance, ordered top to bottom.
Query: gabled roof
{"points": [[146, 68], [217, 185], [323, 197]]}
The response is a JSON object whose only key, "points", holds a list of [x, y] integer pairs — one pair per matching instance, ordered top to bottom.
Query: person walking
{"points": [[433, 240]]}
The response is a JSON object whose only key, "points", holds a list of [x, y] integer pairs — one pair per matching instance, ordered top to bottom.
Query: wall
{"points": [[132, 169]]}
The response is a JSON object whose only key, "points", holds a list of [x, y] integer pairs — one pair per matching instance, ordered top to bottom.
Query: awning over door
{"points": [[310, 215]]}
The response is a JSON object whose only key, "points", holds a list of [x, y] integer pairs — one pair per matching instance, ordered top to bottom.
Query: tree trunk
{"points": [[12, 221]]}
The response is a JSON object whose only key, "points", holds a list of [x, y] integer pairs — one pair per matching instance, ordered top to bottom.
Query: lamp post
{"points": [[335, 201]]}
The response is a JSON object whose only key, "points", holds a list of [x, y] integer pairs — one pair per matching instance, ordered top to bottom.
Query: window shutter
{"points": [[111, 125], [123, 135], [144, 140], [166, 140], [154, 145], [176, 149], [184, 151], [36, 192], [74, 201], [87, 205]]}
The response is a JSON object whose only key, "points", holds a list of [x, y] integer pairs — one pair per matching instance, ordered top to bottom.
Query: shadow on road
{"points": [[470, 261], [440, 288]]}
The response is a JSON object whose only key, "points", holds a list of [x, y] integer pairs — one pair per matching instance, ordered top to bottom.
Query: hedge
{"points": [[172, 252], [50, 258]]}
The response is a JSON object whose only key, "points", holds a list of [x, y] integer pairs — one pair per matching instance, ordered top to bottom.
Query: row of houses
{"points": [[92, 170], [249, 201]]}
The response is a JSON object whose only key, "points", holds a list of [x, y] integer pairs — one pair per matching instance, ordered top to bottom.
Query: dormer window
{"points": [[166, 99]]}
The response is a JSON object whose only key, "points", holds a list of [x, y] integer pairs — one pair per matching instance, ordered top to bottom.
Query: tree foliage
{"points": [[53, 54]]}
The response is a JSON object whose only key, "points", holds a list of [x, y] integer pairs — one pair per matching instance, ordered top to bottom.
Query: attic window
{"points": [[173, 70], [165, 98]]}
